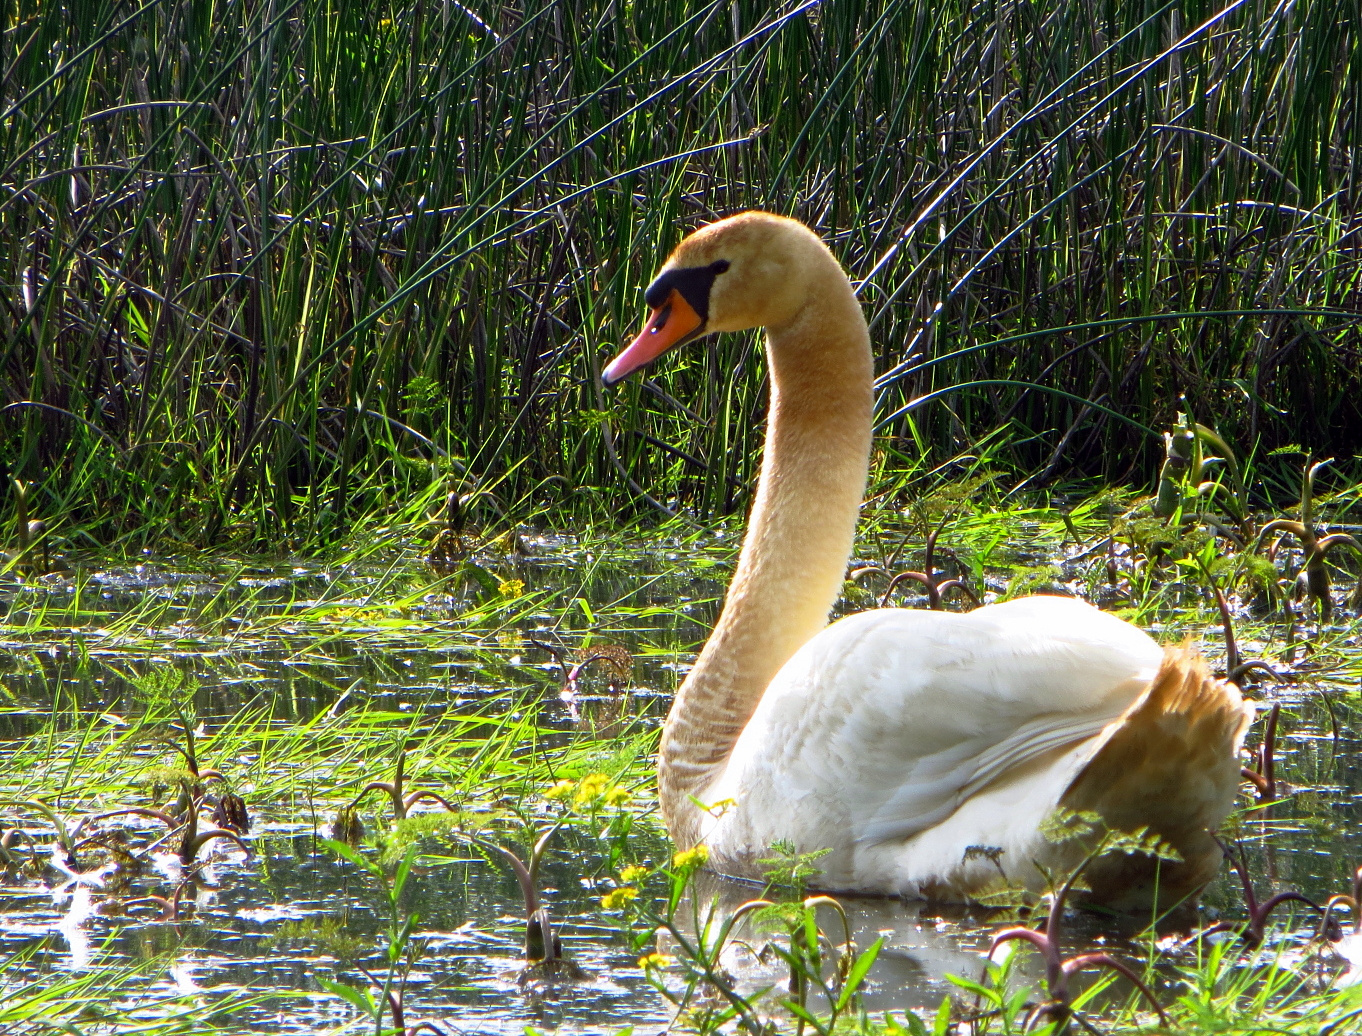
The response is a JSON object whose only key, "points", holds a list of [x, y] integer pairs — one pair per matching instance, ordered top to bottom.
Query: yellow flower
{"points": [[511, 587], [592, 787], [559, 791], [617, 796], [697, 857], [631, 875], [616, 898], [650, 961]]}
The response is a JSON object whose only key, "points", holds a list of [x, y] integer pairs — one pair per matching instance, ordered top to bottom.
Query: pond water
{"points": [[304, 680]]}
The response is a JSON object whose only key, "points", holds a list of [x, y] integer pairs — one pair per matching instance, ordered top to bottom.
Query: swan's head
{"points": [[750, 270]]}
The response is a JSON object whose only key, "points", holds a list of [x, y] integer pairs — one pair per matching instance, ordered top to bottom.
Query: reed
{"points": [[271, 268]]}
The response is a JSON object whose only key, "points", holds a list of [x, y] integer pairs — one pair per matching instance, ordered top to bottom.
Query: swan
{"points": [[898, 740]]}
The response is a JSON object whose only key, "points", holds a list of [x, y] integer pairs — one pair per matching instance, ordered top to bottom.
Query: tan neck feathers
{"points": [[799, 537]]}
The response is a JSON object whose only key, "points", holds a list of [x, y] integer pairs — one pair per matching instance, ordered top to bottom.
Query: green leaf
{"points": [[485, 579], [1064, 825], [348, 853], [400, 876], [858, 972], [970, 986], [357, 998], [795, 1009], [912, 1024], [941, 1025]]}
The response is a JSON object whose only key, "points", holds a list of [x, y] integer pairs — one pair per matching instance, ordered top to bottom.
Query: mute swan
{"points": [[899, 739]]}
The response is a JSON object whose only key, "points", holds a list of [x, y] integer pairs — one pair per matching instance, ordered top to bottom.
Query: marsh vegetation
{"points": [[273, 268], [510, 706]]}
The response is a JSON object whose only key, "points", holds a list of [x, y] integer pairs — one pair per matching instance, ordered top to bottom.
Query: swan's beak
{"points": [[669, 325]]}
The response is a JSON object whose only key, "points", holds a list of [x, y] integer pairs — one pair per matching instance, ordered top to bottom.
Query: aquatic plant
{"points": [[1183, 479], [29, 534], [450, 547], [1312, 582], [936, 589], [618, 662], [1263, 774], [402, 800], [230, 812], [1066, 825], [346, 826], [64, 838], [192, 839], [10, 860], [170, 906], [1253, 929], [1346, 944], [543, 946], [400, 947], [803, 956]]}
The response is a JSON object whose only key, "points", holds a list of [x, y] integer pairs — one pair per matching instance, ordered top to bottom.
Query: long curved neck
{"points": [[799, 537]]}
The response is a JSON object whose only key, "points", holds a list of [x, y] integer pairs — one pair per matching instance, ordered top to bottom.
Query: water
{"points": [[368, 654]]}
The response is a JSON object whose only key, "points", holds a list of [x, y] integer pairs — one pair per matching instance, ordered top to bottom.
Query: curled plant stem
{"points": [[1313, 579], [936, 591], [1232, 660], [1238, 673], [1264, 778], [396, 792], [141, 811], [65, 836], [193, 840], [9, 859], [170, 908], [742, 911], [536, 915], [1327, 925], [1254, 930], [848, 955], [1058, 971]]}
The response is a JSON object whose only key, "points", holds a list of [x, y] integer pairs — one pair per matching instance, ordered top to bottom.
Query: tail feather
{"points": [[1170, 763]]}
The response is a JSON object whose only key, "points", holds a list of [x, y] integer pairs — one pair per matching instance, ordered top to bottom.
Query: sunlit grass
{"points": [[305, 683]]}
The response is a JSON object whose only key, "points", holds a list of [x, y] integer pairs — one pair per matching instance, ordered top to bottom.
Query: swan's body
{"points": [[901, 739]]}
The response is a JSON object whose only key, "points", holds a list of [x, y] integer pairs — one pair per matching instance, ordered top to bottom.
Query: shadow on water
{"points": [[384, 654]]}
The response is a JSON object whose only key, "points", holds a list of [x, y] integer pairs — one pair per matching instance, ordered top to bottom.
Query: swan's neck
{"points": [[799, 537]]}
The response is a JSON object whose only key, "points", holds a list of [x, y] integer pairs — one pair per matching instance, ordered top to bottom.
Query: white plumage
{"points": [[874, 735]]}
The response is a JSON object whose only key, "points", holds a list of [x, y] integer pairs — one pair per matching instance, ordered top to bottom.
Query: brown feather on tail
{"points": [[1170, 763]]}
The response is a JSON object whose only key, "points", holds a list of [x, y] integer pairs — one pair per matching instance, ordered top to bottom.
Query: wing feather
{"points": [[890, 719]]}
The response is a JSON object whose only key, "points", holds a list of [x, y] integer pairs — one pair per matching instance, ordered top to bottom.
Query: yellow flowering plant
{"points": [[691, 859], [616, 899]]}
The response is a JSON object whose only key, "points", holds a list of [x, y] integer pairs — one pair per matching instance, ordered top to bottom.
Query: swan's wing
{"points": [[890, 719], [918, 804]]}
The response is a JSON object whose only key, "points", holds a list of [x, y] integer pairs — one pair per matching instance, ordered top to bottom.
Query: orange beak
{"points": [[670, 324]]}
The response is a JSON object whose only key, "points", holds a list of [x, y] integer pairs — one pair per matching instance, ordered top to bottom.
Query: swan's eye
{"points": [[660, 320]]}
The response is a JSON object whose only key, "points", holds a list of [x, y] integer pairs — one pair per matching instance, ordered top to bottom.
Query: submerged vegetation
{"points": [[442, 778]]}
